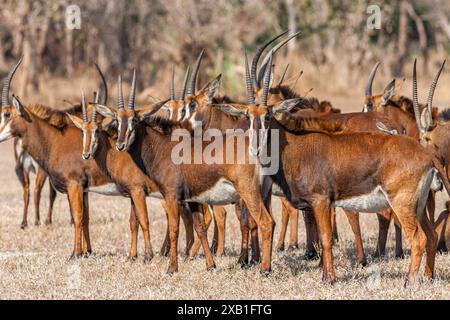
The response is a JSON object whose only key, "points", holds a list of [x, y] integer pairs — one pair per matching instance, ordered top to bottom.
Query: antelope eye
{"points": [[192, 105], [7, 115], [267, 117]]}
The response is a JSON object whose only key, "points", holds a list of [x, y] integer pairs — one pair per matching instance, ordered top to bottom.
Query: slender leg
{"points": [[39, 182], [75, 196], [52, 197], [26, 198], [141, 213], [220, 215], [242, 216], [323, 219], [353, 219], [384, 220], [188, 222], [284, 224], [199, 225], [333, 225], [442, 227], [134, 229], [174, 230], [293, 232], [312, 236], [416, 236], [398, 238], [197, 243], [431, 245], [165, 248], [87, 250], [256, 251]]}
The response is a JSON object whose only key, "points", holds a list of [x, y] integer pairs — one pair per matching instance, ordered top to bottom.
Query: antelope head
{"points": [[194, 100], [174, 108], [259, 115], [12, 116], [126, 119], [431, 132]]}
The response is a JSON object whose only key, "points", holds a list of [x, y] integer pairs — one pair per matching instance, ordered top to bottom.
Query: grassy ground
{"points": [[34, 262]]}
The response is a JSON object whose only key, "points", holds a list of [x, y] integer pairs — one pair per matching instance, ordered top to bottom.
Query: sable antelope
{"points": [[174, 109], [401, 110], [55, 144], [99, 146], [25, 165], [366, 172], [213, 184], [442, 226]]}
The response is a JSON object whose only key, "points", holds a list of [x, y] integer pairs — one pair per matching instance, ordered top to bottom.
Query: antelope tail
{"points": [[442, 175]]}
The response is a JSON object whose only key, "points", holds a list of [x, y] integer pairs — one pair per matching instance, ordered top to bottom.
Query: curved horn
{"points": [[258, 54], [262, 70], [193, 79], [370, 80], [280, 82], [7, 83], [249, 83], [266, 84], [172, 85], [105, 86], [183, 88], [432, 88], [132, 97], [415, 99], [120, 102], [83, 108]]}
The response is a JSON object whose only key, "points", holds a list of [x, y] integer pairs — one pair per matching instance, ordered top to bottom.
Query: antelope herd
{"points": [[389, 159]]}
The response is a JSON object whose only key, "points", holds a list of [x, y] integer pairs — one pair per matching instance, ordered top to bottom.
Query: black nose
{"points": [[120, 146]]}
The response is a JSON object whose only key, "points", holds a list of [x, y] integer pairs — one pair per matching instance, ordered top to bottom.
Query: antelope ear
{"points": [[211, 89], [388, 92], [154, 99], [286, 105], [20, 108], [151, 109], [233, 110], [106, 111], [425, 119], [78, 122], [382, 127]]}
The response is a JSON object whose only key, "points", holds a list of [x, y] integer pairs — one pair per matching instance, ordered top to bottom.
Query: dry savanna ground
{"points": [[34, 262]]}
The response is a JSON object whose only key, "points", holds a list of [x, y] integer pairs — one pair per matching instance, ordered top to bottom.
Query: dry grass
{"points": [[34, 263]]}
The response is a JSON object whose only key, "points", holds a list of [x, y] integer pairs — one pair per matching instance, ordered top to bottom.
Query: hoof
{"points": [[47, 222], [37, 223], [23, 226], [292, 247], [280, 248], [87, 254], [311, 255], [400, 255], [75, 256], [132, 258], [148, 259], [254, 262], [362, 262], [211, 268], [171, 271], [266, 273]]}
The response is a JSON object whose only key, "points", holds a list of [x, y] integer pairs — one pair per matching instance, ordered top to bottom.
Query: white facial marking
{"points": [[5, 132]]}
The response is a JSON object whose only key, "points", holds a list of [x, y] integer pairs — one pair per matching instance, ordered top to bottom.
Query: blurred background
{"points": [[336, 49]]}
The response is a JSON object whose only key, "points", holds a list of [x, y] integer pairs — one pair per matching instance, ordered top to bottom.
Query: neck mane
{"points": [[55, 118]]}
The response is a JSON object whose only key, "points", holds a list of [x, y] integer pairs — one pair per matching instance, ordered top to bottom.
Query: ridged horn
{"points": [[258, 54], [262, 70], [193, 79], [370, 80], [185, 81], [7, 83], [249, 83], [266, 84], [172, 85], [432, 89], [132, 97], [104, 99], [416, 99], [120, 102], [83, 107]]}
